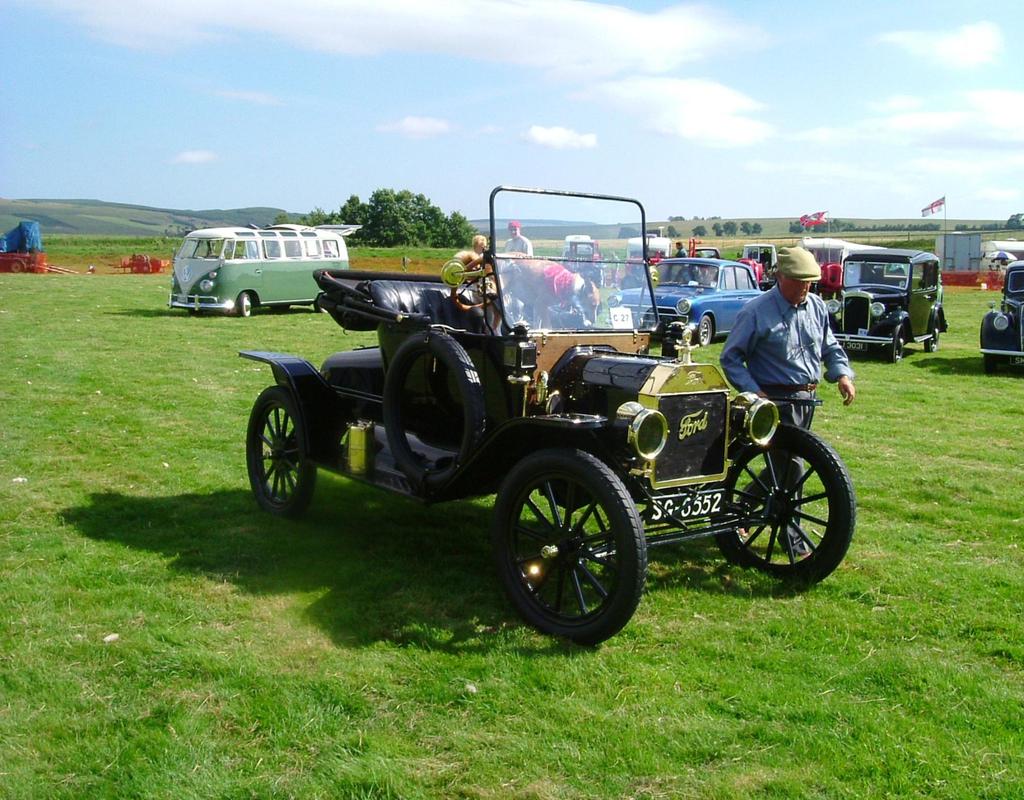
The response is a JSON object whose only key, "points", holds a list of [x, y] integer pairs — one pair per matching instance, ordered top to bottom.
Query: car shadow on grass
{"points": [[156, 313], [951, 366], [698, 565], [383, 568]]}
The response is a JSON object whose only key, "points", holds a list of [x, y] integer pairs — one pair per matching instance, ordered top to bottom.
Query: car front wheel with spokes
{"points": [[280, 473], [796, 505], [569, 545]]}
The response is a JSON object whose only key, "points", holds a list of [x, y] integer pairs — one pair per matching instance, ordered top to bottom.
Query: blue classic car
{"points": [[707, 291], [1002, 331]]}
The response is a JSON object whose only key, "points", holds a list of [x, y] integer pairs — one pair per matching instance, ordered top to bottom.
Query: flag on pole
{"points": [[931, 208], [812, 220]]}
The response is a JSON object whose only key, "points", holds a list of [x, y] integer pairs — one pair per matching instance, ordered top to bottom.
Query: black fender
{"points": [[888, 325], [992, 339], [455, 358], [324, 414], [513, 440]]}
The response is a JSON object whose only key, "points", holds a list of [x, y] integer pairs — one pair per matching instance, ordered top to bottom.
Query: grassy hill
{"points": [[96, 217], [100, 218], [772, 228]]}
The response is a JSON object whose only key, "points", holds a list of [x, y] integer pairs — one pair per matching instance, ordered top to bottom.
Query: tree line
{"points": [[395, 219], [729, 228]]}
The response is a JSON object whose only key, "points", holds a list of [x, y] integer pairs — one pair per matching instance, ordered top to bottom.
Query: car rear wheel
{"points": [[705, 330], [932, 344], [457, 395], [280, 473], [796, 505], [569, 545]]}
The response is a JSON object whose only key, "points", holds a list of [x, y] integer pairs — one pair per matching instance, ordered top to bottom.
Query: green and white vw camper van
{"points": [[234, 270]]}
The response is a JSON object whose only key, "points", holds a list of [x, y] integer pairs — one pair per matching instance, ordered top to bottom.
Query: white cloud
{"points": [[575, 37], [967, 46], [256, 98], [895, 104], [698, 110], [983, 120], [417, 127], [826, 135], [559, 138], [194, 157], [947, 166], [826, 172], [999, 195]]}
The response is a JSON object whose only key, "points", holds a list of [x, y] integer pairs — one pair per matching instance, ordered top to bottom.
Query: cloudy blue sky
{"points": [[739, 109]]}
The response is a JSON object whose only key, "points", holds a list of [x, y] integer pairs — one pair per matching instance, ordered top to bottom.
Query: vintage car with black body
{"points": [[890, 297], [1002, 331], [596, 428]]}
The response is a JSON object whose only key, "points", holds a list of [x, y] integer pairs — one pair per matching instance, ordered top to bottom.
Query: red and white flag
{"points": [[931, 208], [811, 220]]}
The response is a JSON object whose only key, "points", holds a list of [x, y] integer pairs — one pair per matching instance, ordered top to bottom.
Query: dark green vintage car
{"points": [[889, 298], [1002, 330], [599, 433]]}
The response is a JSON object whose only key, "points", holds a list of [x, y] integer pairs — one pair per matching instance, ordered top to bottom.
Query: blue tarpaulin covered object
{"points": [[26, 238]]}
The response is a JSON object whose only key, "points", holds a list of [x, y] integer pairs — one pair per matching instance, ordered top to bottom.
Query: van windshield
{"points": [[201, 248]]}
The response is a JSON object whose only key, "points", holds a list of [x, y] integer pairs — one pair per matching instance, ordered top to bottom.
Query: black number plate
{"points": [[856, 345], [686, 506]]}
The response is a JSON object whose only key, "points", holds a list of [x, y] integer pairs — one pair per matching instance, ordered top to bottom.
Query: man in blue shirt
{"points": [[781, 339], [776, 349]]}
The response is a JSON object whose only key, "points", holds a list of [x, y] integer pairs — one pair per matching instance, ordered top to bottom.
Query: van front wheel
{"points": [[244, 304]]}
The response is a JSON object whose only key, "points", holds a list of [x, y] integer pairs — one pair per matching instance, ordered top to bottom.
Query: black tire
{"points": [[244, 304], [705, 330], [932, 345], [896, 348], [456, 360], [990, 362], [280, 473], [818, 509], [589, 588]]}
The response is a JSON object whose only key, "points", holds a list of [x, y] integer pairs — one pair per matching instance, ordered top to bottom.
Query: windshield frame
{"points": [[887, 267], [666, 269], [604, 276]]}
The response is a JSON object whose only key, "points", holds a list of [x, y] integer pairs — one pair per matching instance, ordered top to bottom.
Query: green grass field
{"points": [[367, 651]]}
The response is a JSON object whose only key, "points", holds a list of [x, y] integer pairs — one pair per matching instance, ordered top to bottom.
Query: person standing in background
{"points": [[517, 243]]}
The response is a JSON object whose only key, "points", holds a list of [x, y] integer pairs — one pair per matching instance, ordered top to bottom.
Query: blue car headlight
{"points": [[683, 306]]}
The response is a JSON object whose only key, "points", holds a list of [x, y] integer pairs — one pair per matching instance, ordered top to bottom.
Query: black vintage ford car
{"points": [[889, 298], [1002, 331], [593, 424]]}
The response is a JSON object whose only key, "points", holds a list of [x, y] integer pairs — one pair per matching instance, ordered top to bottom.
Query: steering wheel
{"points": [[462, 278], [460, 300]]}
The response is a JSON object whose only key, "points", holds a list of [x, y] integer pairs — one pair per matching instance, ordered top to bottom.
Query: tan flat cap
{"points": [[798, 264]]}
